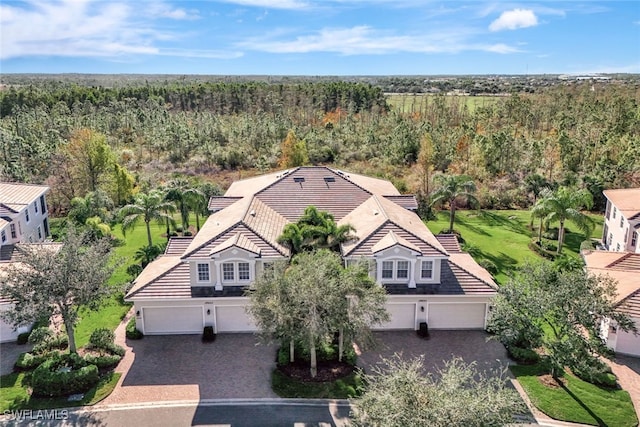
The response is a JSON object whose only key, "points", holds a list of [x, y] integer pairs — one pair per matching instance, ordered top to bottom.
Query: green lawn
{"points": [[503, 236], [14, 393], [578, 401]]}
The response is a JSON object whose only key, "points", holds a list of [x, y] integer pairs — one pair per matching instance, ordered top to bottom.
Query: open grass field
{"points": [[420, 102], [502, 237], [577, 401]]}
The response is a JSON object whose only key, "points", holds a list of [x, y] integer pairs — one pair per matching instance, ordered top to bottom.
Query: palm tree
{"points": [[535, 184], [451, 189], [177, 192], [197, 202], [565, 204], [147, 207], [539, 210], [315, 229]]}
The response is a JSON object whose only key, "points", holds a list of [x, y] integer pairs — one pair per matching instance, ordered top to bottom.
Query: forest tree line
{"points": [[581, 134]]}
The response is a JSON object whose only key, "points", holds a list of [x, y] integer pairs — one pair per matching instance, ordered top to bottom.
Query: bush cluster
{"points": [[132, 332], [23, 338], [57, 342], [324, 352], [523, 356], [29, 361], [107, 361], [595, 372], [62, 375]]}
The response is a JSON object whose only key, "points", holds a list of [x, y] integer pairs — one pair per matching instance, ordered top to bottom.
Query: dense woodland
{"points": [[78, 137]]}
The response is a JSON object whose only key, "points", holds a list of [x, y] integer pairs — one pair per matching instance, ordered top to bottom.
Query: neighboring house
{"points": [[23, 219], [621, 232], [625, 269], [201, 281]]}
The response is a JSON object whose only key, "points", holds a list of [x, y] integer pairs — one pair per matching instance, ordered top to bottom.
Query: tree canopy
{"points": [[451, 189], [46, 282], [314, 298], [560, 311], [399, 393]]}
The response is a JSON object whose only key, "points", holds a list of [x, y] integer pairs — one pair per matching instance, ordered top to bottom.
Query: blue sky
{"points": [[319, 37]]}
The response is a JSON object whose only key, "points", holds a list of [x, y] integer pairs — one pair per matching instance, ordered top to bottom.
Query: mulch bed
{"points": [[327, 371], [548, 381]]}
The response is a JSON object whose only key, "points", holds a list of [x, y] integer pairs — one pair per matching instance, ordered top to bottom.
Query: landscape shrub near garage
{"points": [[132, 332], [101, 340], [29, 361], [107, 361], [62, 375]]}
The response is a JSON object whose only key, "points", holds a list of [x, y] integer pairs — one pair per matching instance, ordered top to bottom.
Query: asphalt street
{"points": [[234, 414]]}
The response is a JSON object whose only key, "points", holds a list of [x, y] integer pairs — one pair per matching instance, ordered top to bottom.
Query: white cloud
{"points": [[271, 4], [163, 10], [514, 19], [71, 28], [364, 40]]}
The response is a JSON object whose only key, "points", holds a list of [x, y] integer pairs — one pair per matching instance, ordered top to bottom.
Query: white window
{"points": [[43, 205], [35, 207], [614, 211], [26, 213], [608, 214], [621, 221], [13, 231], [39, 233], [4, 236], [610, 239], [633, 239], [618, 247], [387, 269], [233, 270], [395, 270], [426, 270], [243, 271], [402, 271], [203, 272], [227, 272]]}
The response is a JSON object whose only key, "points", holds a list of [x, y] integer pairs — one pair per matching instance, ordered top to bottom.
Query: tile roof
{"points": [[12, 193], [291, 194], [626, 200], [407, 201], [217, 203], [253, 212], [3, 223], [449, 242], [177, 245], [624, 268]]}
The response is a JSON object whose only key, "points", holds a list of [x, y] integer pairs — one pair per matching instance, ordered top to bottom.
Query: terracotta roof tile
{"points": [[12, 193], [626, 200], [407, 201], [217, 203], [238, 240], [389, 240], [449, 242], [177, 245], [623, 267], [166, 276]]}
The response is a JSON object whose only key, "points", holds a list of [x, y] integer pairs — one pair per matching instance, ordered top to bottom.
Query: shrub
{"points": [[551, 234], [489, 265], [132, 332], [40, 335], [23, 338], [102, 338], [58, 342], [524, 356], [29, 361], [103, 362], [594, 371], [51, 379]]}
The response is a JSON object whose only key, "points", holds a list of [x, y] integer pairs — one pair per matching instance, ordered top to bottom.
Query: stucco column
{"points": [[218, 268], [412, 273]]}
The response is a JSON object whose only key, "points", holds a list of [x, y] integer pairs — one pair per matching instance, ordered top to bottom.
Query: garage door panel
{"points": [[403, 316], [456, 316], [233, 319], [172, 320], [628, 343]]}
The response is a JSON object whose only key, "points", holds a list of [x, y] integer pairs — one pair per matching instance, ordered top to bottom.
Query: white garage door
{"points": [[456, 315], [403, 316], [233, 319], [172, 320], [627, 343]]}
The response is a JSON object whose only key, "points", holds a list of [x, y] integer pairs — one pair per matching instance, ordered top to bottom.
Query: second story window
{"points": [[43, 205], [35, 207], [614, 211], [26, 214], [621, 221], [13, 231], [39, 233], [4, 236], [634, 238], [387, 269], [395, 270], [426, 271], [203, 272], [236, 272]]}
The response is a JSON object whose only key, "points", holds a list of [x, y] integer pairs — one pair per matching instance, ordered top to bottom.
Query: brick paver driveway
{"points": [[471, 346], [182, 367], [627, 369]]}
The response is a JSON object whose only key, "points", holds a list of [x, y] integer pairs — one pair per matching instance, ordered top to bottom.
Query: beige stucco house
{"points": [[24, 219], [621, 232], [200, 281]]}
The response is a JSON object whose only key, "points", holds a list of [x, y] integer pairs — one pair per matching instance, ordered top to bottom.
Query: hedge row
{"points": [[62, 375]]}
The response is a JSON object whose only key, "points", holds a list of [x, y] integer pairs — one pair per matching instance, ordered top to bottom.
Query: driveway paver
{"points": [[627, 369]]}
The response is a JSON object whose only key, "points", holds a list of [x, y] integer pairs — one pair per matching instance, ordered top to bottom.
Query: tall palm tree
{"points": [[451, 189], [177, 192], [197, 202], [565, 204], [147, 207], [540, 210]]}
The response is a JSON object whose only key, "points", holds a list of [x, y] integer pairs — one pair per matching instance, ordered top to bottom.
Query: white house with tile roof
{"points": [[24, 219], [621, 232], [625, 269], [200, 281]]}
